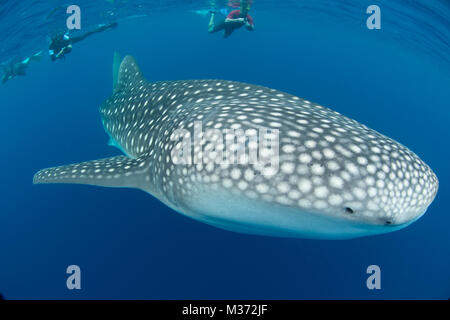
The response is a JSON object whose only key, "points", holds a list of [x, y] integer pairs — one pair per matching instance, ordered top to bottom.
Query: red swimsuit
{"points": [[235, 14]]}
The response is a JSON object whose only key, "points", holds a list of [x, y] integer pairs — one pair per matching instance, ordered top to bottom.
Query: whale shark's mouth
{"points": [[238, 214]]}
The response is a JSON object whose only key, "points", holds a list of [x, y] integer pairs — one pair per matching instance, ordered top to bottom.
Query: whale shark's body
{"points": [[334, 178]]}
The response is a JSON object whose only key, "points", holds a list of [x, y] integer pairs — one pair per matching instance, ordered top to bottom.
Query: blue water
{"points": [[129, 246]]}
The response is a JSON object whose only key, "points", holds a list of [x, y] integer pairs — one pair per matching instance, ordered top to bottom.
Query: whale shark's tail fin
{"points": [[129, 75], [117, 171]]}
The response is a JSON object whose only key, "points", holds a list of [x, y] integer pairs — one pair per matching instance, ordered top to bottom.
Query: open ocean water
{"points": [[128, 244]]}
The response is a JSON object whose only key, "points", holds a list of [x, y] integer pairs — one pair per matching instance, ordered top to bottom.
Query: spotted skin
{"points": [[335, 178]]}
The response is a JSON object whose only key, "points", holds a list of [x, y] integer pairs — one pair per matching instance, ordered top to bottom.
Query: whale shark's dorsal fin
{"points": [[129, 75], [118, 171]]}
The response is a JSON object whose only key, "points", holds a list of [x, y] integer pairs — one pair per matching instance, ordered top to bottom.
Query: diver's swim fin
{"points": [[37, 56]]}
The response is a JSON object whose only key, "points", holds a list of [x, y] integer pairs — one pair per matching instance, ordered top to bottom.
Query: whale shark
{"points": [[325, 176]]}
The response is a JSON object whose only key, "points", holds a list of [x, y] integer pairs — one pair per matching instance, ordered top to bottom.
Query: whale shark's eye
{"points": [[349, 210]]}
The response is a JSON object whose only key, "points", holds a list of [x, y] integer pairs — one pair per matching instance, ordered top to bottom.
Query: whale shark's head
{"points": [[353, 173]]}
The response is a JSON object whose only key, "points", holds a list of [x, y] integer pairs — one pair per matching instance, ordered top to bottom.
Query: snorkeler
{"points": [[234, 20], [61, 44], [17, 68]]}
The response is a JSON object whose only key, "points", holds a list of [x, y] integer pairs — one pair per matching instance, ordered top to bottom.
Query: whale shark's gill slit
{"points": [[117, 171]]}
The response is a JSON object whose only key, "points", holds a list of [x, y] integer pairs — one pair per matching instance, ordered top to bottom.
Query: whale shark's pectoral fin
{"points": [[117, 171]]}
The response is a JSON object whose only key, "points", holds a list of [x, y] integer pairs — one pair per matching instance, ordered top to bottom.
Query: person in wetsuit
{"points": [[234, 20], [61, 44], [18, 68]]}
